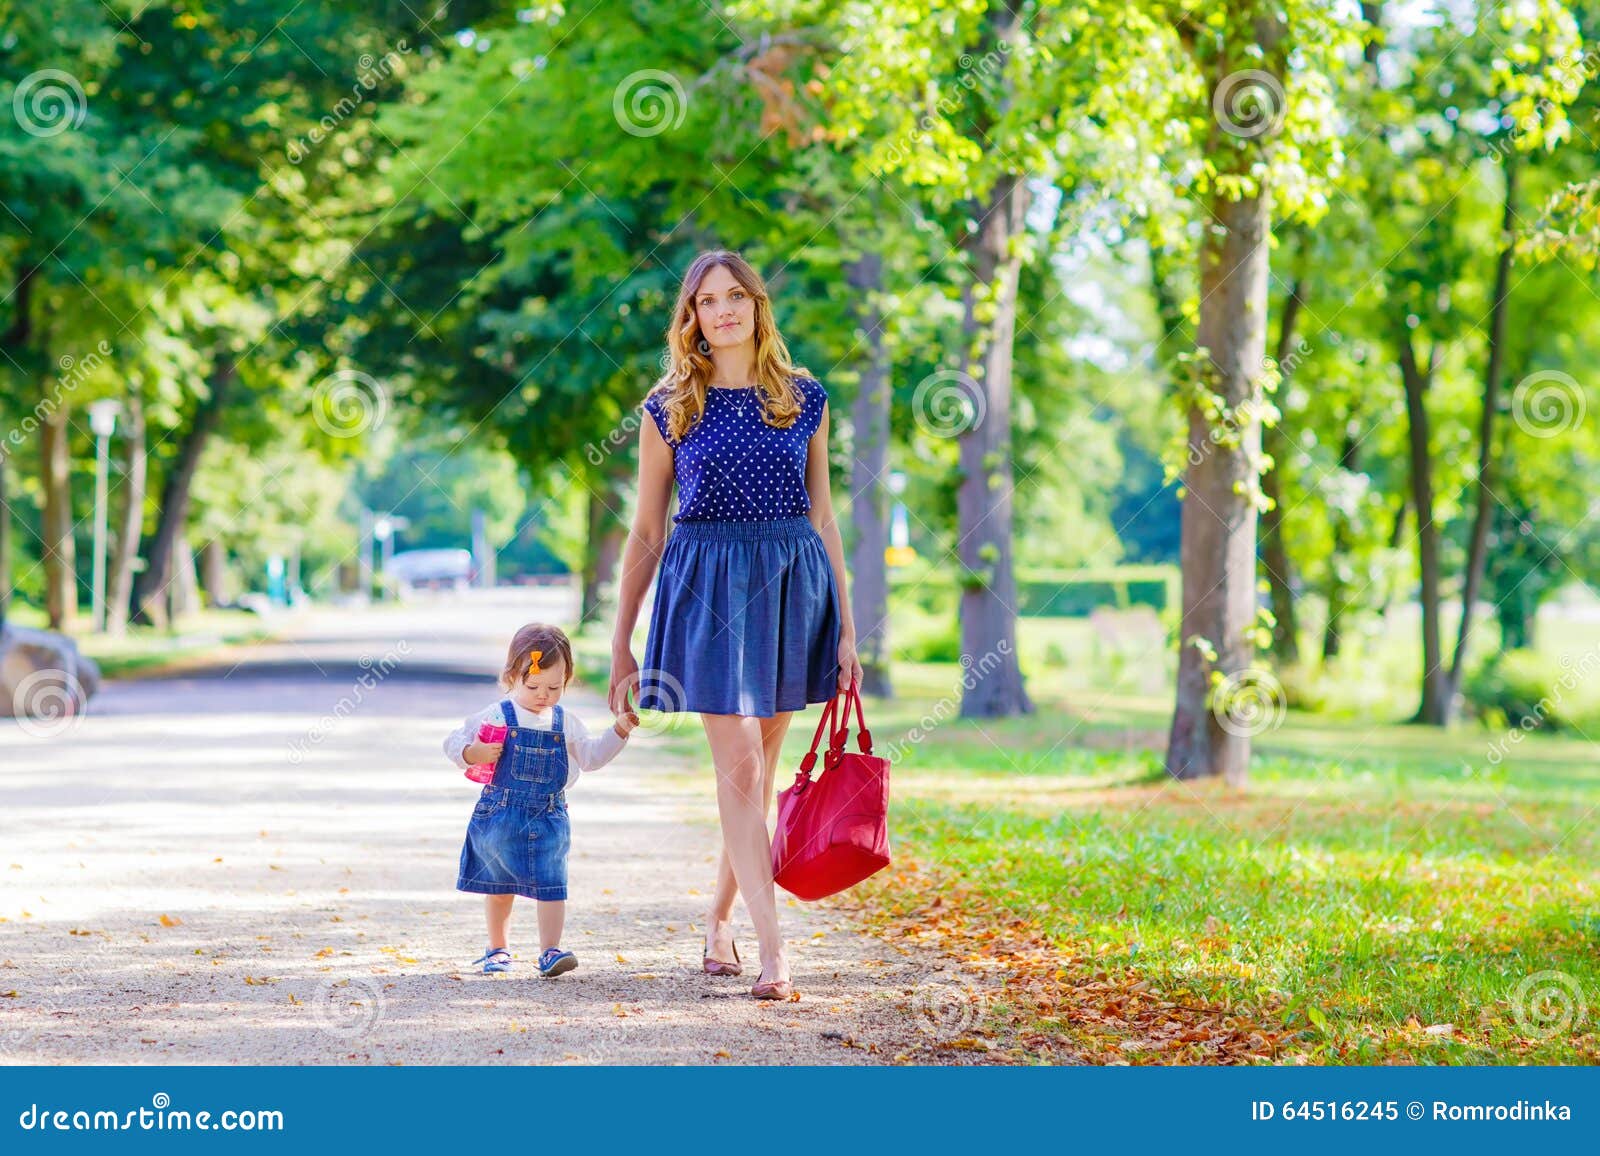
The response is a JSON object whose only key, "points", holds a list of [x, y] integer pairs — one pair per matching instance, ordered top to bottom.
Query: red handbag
{"points": [[833, 832]]}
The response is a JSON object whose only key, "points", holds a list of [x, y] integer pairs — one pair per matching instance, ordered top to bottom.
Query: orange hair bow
{"points": [[534, 658]]}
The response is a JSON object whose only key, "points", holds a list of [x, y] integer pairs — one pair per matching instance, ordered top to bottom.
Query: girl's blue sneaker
{"points": [[493, 960], [553, 962]]}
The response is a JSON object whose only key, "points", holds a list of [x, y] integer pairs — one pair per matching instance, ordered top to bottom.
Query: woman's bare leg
{"points": [[740, 761], [719, 923]]}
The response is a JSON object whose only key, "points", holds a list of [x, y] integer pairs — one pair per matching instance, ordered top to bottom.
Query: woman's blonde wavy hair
{"points": [[683, 386]]}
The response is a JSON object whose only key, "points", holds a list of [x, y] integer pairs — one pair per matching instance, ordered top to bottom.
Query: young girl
{"points": [[518, 836]]}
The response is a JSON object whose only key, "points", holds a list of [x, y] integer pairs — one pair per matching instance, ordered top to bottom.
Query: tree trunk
{"points": [[869, 497], [1483, 514], [5, 540], [602, 549], [1218, 550], [1274, 551], [60, 553], [214, 574], [119, 587], [150, 587], [184, 589], [1338, 590], [994, 685], [1434, 708]]}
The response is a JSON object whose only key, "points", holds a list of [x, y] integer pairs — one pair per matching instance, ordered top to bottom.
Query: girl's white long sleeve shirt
{"points": [[585, 752]]}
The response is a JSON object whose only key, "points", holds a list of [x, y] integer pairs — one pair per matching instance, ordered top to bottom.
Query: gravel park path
{"points": [[255, 863]]}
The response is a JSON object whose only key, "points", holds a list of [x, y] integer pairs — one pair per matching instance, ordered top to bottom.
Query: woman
{"points": [[750, 621]]}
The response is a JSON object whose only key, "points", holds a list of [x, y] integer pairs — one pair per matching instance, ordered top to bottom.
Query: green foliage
{"points": [[1518, 688]]}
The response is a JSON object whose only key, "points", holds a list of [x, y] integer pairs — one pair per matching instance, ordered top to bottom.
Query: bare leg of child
{"points": [[497, 912], [552, 917]]}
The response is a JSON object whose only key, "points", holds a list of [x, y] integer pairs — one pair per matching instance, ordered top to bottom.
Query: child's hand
{"points": [[624, 723], [477, 752]]}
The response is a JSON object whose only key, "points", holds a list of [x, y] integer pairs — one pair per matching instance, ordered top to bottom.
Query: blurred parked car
{"points": [[431, 569]]}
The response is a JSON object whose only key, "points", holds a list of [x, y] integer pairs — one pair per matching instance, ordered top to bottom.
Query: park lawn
{"points": [[147, 650], [1378, 894]]}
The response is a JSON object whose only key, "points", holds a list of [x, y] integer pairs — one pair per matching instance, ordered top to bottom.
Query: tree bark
{"points": [[869, 497], [983, 501], [1483, 514], [5, 540], [603, 547], [1218, 548], [1274, 550], [60, 553], [214, 573], [119, 587], [150, 587], [1338, 591], [183, 592], [1434, 708]]}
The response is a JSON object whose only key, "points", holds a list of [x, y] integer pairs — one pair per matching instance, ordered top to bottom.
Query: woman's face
{"points": [[725, 309]]}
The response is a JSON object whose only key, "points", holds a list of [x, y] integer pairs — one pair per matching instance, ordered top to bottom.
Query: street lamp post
{"points": [[103, 421]]}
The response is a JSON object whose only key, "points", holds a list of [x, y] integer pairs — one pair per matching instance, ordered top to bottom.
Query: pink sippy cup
{"points": [[487, 733]]}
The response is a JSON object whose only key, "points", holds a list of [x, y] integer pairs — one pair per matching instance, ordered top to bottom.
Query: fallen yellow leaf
{"points": [[168, 921]]}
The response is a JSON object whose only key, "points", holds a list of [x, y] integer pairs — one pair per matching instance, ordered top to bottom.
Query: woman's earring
{"points": [[703, 346]]}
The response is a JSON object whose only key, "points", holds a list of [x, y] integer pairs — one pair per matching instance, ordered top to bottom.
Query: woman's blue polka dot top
{"points": [[731, 466]]}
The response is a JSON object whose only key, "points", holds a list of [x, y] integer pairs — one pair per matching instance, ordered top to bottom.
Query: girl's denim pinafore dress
{"points": [[518, 836]]}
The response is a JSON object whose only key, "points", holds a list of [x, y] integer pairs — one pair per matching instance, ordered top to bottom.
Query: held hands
{"points": [[627, 720], [479, 752]]}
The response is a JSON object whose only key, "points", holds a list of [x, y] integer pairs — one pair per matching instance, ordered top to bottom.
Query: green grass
{"points": [[145, 650], [1371, 881]]}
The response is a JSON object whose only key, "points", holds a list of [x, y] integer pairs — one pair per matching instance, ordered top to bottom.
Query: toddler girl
{"points": [[518, 836]]}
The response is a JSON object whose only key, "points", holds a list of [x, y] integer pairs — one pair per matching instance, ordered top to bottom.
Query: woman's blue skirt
{"points": [[746, 620]]}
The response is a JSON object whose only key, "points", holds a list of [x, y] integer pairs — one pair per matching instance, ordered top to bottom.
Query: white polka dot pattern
{"points": [[732, 466]]}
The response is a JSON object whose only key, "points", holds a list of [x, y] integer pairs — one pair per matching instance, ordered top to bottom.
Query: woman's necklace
{"points": [[745, 393]]}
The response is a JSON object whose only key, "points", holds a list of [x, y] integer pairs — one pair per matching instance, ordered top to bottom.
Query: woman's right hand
{"points": [[624, 677]]}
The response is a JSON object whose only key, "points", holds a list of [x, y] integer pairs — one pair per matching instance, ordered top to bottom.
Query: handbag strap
{"points": [[838, 724]]}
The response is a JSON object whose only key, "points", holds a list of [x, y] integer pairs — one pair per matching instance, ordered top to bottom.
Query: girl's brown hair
{"points": [[683, 386], [550, 641]]}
